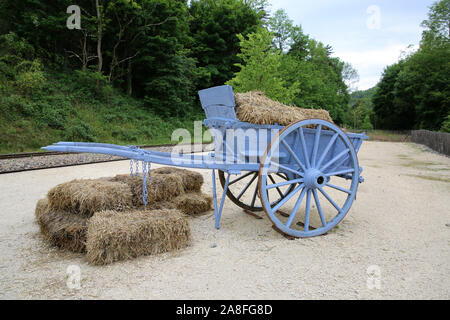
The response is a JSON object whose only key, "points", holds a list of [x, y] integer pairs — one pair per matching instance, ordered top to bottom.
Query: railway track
{"points": [[30, 156]]}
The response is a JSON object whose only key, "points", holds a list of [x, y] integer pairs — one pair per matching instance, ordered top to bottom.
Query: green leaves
{"points": [[261, 69], [415, 92]]}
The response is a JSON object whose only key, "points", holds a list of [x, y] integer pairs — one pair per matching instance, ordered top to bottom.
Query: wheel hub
{"points": [[314, 179]]}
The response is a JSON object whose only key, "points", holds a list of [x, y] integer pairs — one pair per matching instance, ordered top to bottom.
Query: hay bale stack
{"points": [[256, 108], [192, 181], [86, 197], [105, 218], [61, 228], [112, 236]]}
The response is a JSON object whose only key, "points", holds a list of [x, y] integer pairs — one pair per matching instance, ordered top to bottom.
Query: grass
{"points": [[66, 111], [386, 135]]}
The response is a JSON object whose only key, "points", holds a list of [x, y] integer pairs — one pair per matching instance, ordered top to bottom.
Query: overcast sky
{"points": [[368, 34]]}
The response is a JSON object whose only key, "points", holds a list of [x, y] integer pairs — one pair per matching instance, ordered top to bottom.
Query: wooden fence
{"points": [[438, 141]]}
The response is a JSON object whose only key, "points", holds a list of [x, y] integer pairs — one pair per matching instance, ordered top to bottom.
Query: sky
{"points": [[369, 35]]}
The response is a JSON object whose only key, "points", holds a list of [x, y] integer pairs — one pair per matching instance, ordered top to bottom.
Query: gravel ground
{"points": [[39, 162], [397, 232]]}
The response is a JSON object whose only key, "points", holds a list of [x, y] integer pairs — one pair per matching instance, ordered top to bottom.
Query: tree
{"points": [[214, 25], [437, 26], [283, 30], [261, 68], [163, 72], [320, 78], [415, 92]]}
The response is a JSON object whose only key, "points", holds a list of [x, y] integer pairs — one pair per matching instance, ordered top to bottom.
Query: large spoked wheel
{"points": [[324, 168], [243, 189]]}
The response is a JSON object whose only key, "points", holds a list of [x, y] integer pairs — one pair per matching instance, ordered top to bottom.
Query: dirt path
{"points": [[399, 227]]}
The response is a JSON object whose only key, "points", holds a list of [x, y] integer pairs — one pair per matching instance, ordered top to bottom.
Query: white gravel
{"points": [[399, 226]]}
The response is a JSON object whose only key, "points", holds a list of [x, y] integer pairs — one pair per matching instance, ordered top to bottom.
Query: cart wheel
{"points": [[319, 161], [248, 182]]}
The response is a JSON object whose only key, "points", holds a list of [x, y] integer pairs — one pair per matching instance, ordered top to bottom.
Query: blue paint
{"points": [[306, 156]]}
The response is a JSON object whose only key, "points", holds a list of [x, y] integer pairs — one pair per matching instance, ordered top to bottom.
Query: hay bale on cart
{"points": [[254, 107]]}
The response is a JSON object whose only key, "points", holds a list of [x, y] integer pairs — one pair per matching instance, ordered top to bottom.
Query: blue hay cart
{"points": [[304, 176]]}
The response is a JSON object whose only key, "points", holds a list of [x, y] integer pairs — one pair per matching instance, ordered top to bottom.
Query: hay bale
{"points": [[256, 108], [192, 181], [161, 187], [88, 196], [193, 203], [60, 228], [113, 237]]}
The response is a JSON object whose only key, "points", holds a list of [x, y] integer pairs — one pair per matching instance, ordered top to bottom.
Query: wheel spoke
{"points": [[316, 144], [289, 149], [327, 149], [305, 154], [340, 155], [340, 162], [286, 168], [336, 173], [281, 176], [240, 178], [281, 184], [246, 187], [339, 188], [278, 189], [254, 196], [287, 198], [330, 200], [275, 202], [296, 207], [319, 208], [307, 210]]}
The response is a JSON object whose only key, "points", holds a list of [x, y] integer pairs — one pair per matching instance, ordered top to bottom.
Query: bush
{"points": [[30, 82], [91, 85], [15, 105], [54, 117], [367, 125], [446, 125], [79, 131]]}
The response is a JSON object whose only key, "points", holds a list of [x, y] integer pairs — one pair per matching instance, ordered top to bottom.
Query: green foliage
{"points": [[214, 25], [437, 26], [282, 28], [155, 54], [261, 69], [30, 77], [320, 78], [90, 85], [415, 92], [361, 114], [366, 124], [446, 125], [78, 130]]}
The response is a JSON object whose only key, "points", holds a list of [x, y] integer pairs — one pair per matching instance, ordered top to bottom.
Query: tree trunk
{"points": [[99, 36], [84, 54], [129, 79]]}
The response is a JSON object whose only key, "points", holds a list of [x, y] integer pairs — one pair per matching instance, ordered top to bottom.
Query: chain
{"points": [[131, 167], [135, 172], [146, 178]]}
